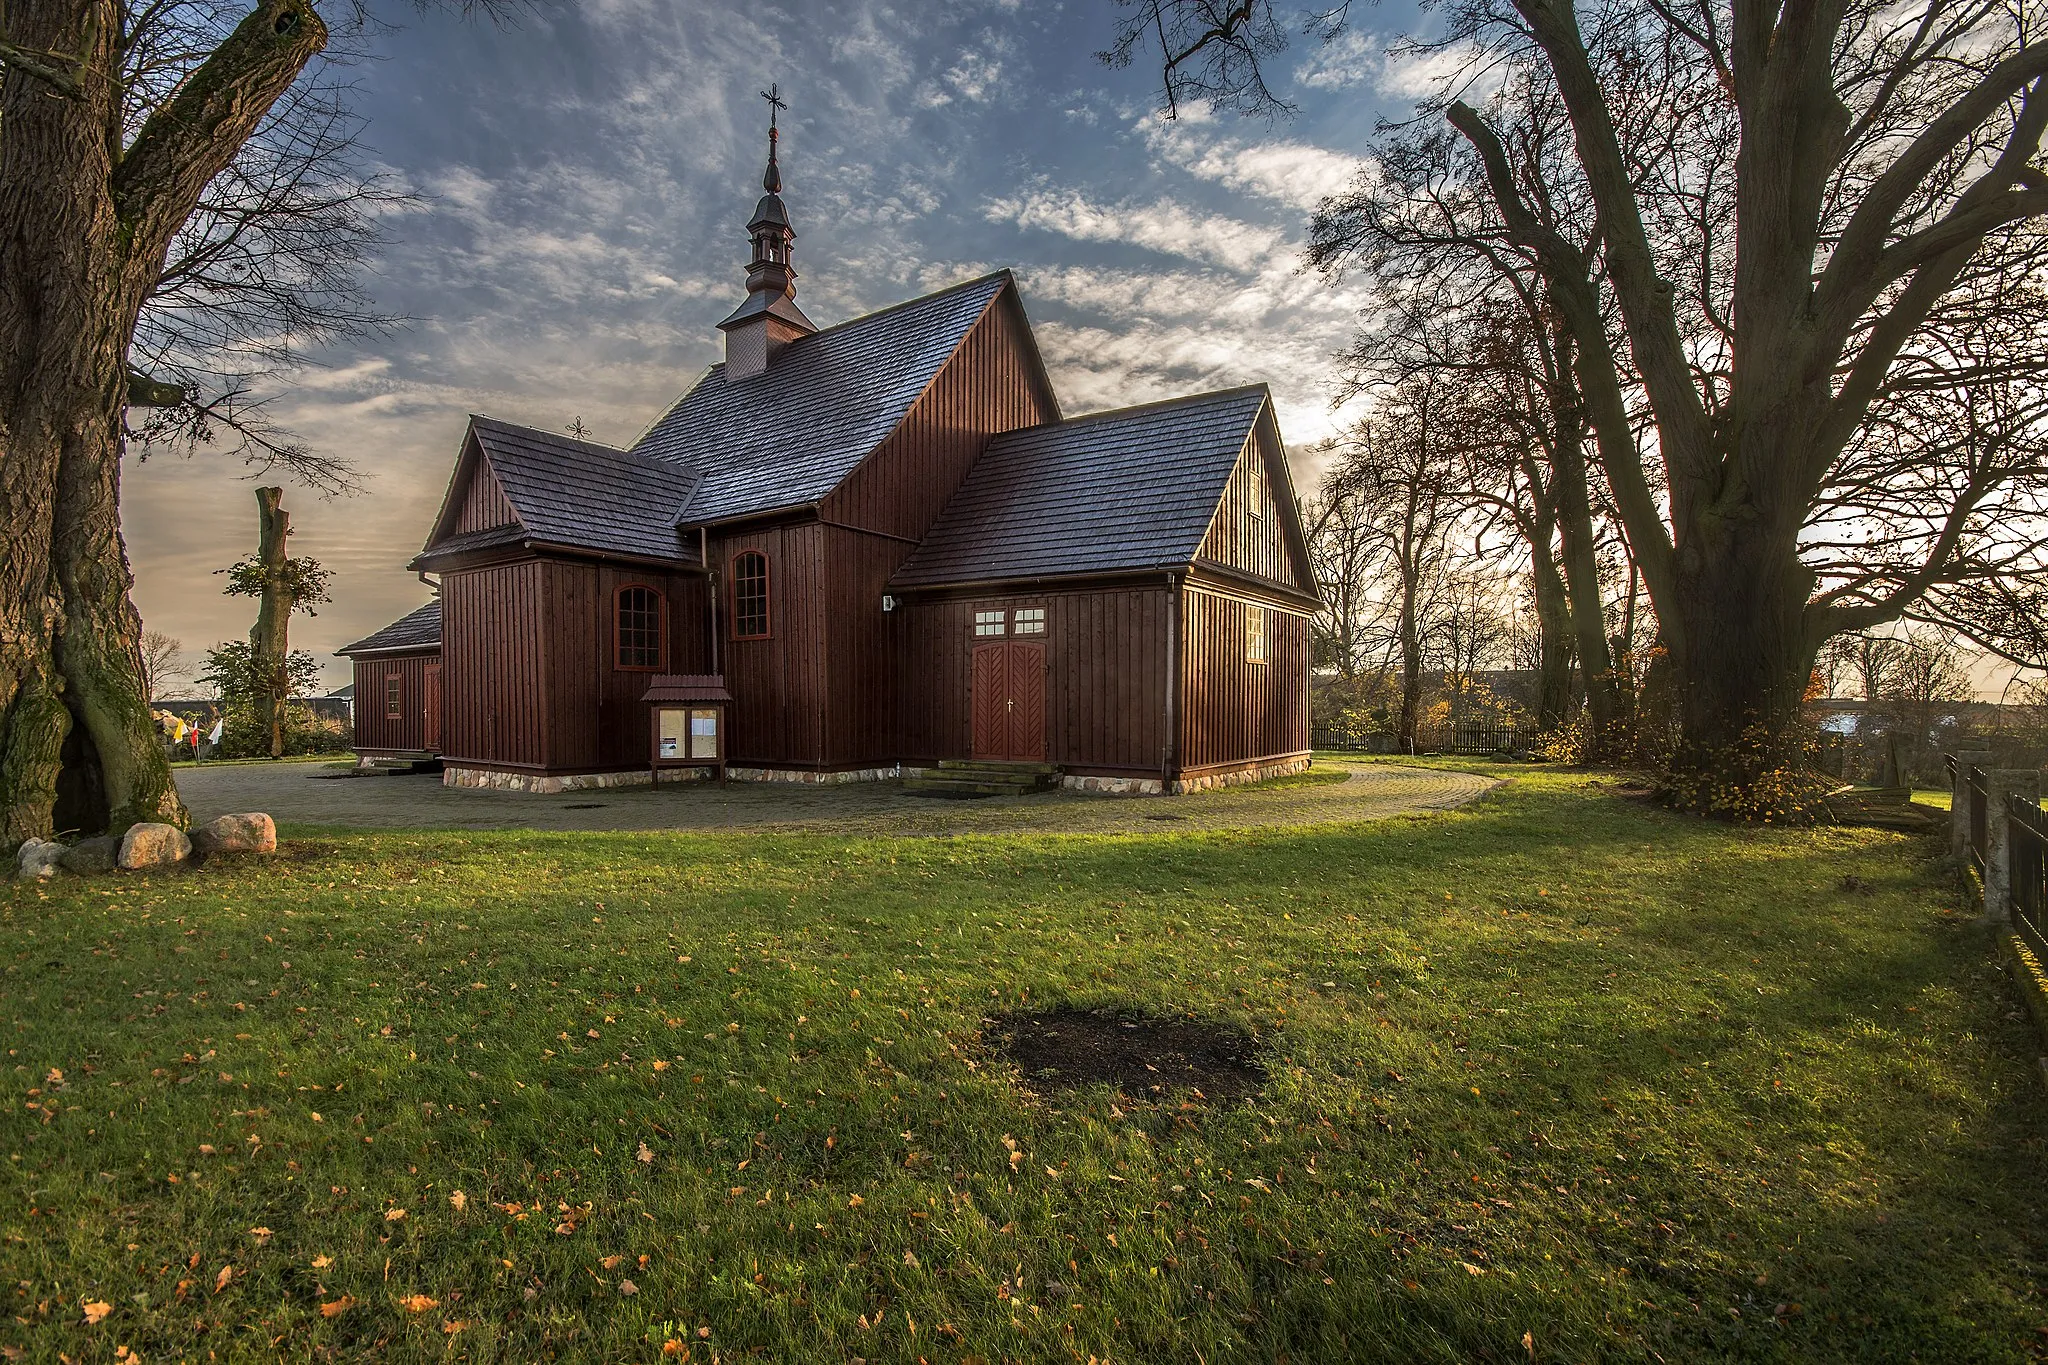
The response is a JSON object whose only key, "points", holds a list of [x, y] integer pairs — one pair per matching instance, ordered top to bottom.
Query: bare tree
{"points": [[116, 123], [1802, 214], [1399, 470], [160, 662]]}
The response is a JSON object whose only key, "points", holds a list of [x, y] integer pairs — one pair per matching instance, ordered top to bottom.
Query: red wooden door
{"points": [[991, 701], [1009, 701], [1027, 703], [432, 740]]}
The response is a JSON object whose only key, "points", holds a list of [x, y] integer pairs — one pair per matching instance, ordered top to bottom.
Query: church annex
{"points": [[874, 548]]}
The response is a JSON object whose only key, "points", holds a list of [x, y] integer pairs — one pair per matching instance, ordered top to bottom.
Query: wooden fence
{"points": [[2027, 866]]}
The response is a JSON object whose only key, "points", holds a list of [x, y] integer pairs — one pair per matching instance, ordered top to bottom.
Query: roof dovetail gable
{"points": [[787, 437], [566, 492], [1110, 492]]}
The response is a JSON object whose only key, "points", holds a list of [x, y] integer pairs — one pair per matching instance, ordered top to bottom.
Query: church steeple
{"points": [[769, 319]]}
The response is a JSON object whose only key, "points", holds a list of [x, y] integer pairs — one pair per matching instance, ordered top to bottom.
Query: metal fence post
{"points": [[1998, 784], [1959, 799]]}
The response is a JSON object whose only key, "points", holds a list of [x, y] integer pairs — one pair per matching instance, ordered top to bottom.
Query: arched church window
{"points": [[750, 596], [638, 629]]}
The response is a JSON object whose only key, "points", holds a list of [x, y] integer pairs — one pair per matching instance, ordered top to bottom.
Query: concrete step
{"points": [[1037, 775], [965, 787]]}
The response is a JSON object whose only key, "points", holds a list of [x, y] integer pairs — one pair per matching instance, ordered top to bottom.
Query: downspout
{"points": [[711, 583], [1173, 680]]}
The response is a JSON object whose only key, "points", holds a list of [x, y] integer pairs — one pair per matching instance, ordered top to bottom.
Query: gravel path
{"points": [[317, 794]]}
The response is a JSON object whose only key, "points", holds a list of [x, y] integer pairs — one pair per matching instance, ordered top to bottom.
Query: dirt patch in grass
{"points": [[1144, 1057]]}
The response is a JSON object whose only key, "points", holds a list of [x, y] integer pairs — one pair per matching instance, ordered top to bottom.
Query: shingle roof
{"points": [[785, 438], [1113, 491], [580, 493], [417, 629]]}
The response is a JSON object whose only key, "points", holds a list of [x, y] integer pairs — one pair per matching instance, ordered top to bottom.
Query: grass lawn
{"points": [[1557, 1075]]}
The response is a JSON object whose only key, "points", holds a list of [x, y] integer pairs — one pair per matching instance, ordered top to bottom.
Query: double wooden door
{"points": [[1009, 701]]}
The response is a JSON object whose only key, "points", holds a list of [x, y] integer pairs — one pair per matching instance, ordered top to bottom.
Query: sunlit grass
{"points": [[1558, 1064]]}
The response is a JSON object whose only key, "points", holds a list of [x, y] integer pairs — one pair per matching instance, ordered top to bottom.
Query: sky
{"points": [[585, 176]]}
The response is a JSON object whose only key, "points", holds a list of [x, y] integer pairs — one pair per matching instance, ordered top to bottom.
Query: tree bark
{"points": [[84, 227], [1554, 630], [268, 642], [1605, 700]]}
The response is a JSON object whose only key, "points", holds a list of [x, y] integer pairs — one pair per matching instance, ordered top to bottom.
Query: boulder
{"points": [[251, 833], [152, 845], [88, 856], [36, 861]]}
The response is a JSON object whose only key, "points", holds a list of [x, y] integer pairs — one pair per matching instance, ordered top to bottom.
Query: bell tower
{"points": [[769, 320]]}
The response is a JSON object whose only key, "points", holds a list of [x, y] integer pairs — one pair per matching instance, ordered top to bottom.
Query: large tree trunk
{"points": [[84, 227], [1408, 629], [1554, 637], [268, 645], [1740, 661], [1606, 703]]}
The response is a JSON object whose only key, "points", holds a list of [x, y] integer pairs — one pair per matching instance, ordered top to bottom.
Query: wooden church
{"points": [[859, 552]]}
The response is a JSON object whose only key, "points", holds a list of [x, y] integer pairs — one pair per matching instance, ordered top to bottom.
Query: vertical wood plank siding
{"points": [[989, 386], [484, 503], [1240, 540], [829, 623], [493, 659], [528, 672], [777, 683], [1105, 683], [1233, 710], [374, 730]]}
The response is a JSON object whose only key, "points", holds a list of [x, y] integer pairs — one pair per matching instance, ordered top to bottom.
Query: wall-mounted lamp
{"points": [[888, 602]]}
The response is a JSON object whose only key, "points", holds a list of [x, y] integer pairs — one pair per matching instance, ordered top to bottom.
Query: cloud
{"points": [[1389, 67], [1159, 225]]}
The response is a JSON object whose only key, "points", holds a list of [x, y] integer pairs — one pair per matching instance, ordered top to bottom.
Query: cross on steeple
{"points": [[771, 179], [769, 319]]}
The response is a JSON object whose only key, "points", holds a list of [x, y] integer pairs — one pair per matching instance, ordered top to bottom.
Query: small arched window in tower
{"points": [[750, 596], [638, 634]]}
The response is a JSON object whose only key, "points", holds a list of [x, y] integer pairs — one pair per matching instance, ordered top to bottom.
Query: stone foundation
{"points": [[1238, 777], [811, 778], [542, 784], [1114, 786]]}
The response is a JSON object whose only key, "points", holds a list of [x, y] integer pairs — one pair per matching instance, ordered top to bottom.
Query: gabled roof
{"points": [[788, 436], [1110, 492], [574, 493], [417, 629]]}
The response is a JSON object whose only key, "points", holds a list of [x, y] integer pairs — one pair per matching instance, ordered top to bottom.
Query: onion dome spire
{"points": [[769, 319]]}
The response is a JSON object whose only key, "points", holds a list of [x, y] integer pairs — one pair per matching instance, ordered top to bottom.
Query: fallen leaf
{"points": [[661, 1066], [206, 1149], [645, 1154], [459, 1200], [855, 1202], [394, 1215], [262, 1236], [322, 1262], [610, 1262], [1471, 1269], [220, 1281], [628, 1288], [417, 1303], [340, 1305], [96, 1312], [453, 1325], [673, 1347]]}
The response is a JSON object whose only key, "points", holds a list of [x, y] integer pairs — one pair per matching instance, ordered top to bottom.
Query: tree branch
{"points": [[194, 136]]}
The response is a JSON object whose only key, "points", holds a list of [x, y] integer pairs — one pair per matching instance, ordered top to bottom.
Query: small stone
{"points": [[251, 833], [152, 845], [89, 856], [37, 860]]}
